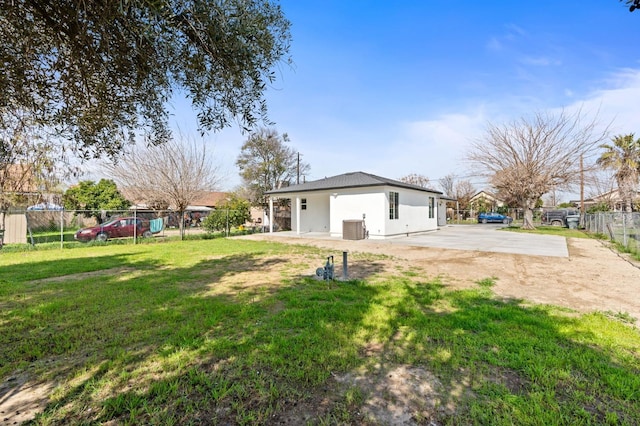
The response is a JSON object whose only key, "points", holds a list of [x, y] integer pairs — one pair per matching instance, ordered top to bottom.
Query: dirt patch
{"points": [[84, 275], [595, 277], [399, 395], [20, 399]]}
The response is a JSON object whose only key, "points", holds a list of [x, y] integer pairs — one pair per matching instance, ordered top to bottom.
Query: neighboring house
{"points": [[18, 186], [610, 198], [210, 199], [486, 200], [205, 201], [388, 207]]}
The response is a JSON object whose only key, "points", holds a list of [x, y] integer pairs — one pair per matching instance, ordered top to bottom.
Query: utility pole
{"points": [[298, 181], [581, 186]]}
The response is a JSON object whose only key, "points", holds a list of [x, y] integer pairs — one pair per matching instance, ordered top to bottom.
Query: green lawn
{"points": [[553, 230], [237, 332]]}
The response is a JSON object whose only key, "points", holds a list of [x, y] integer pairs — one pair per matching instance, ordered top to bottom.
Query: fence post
{"points": [[601, 223], [135, 226], [62, 228]]}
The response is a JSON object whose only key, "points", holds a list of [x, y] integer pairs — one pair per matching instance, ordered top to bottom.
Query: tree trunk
{"points": [[626, 189], [628, 200], [528, 216], [181, 222]]}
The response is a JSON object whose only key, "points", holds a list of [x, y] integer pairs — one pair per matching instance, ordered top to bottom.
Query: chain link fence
{"points": [[471, 216], [66, 227], [623, 228]]}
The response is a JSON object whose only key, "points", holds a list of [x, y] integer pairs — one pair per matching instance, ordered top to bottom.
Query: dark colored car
{"points": [[557, 217], [494, 218], [117, 228]]}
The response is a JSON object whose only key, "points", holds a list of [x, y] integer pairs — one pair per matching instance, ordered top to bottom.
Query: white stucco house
{"points": [[388, 207]]}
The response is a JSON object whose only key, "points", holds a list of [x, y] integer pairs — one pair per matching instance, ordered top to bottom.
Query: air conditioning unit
{"points": [[353, 229]]}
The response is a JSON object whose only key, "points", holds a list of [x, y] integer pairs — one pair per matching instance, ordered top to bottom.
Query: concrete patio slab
{"points": [[480, 237], [489, 238]]}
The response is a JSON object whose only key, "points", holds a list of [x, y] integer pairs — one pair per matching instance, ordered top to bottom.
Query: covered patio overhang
{"points": [[310, 211]]}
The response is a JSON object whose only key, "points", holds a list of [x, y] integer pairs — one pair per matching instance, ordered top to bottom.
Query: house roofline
{"points": [[372, 181]]}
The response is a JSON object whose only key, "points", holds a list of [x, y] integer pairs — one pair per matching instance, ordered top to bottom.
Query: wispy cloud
{"points": [[514, 30], [511, 34], [494, 44], [540, 61], [617, 103], [436, 146], [433, 147]]}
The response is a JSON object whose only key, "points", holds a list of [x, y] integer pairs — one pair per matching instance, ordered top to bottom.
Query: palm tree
{"points": [[623, 156]]}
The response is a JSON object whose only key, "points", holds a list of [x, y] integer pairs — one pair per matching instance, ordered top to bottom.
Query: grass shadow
{"points": [[240, 335]]}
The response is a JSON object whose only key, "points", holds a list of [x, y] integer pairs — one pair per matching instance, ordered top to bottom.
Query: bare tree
{"points": [[528, 157], [172, 174], [416, 179], [447, 184], [601, 184], [460, 190], [463, 190]]}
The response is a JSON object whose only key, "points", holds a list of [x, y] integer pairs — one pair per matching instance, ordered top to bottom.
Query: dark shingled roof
{"points": [[347, 180]]}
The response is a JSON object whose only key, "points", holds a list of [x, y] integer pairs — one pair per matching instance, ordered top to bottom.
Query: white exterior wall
{"points": [[352, 203], [326, 211], [413, 213], [316, 217]]}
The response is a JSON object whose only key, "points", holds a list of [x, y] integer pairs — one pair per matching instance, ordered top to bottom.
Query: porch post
{"points": [[298, 208], [271, 215]]}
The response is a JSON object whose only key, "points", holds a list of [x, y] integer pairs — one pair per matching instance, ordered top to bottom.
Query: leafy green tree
{"points": [[633, 4], [100, 71], [623, 157], [267, 163], [93, 198], [600, 207], [502, 210], [233, 213]]}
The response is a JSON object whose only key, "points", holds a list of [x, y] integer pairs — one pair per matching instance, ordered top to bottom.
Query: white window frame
{"points": [[394, 205]]}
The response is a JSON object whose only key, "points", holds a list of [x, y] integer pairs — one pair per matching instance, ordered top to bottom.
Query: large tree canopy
{"points": [[633, 4], [100, 71], [529, 157], [266, 163], [93, 198]]}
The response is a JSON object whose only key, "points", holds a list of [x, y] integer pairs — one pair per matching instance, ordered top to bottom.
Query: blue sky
{"points": [[401, 87]]}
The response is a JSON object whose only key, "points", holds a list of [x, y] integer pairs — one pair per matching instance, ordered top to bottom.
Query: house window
{"points": [[394, 203], [303, 204], [432, 207]]}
